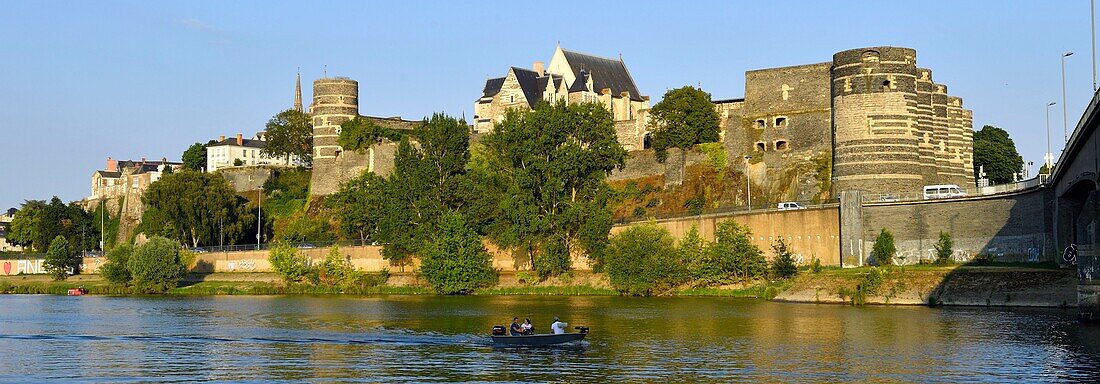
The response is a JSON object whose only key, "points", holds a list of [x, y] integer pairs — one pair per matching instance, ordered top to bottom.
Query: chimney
{"points": [[538, 68], [221, 138], [240, 139], [143, 159], [164, 159], [112, 164]]}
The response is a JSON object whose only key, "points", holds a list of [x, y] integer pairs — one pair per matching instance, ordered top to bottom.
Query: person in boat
{"points": [[558, 326], [527, 328], [515, 329]]}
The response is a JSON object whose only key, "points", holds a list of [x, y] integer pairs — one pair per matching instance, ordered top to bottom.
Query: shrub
{"points": [[692, 246], [944, 248], [884, 250], [732, 257], [59, 259], [553, 259], [643, 260], [286, 261], [455, 261], [783, 265], [156, 266], [815, 266], [335, 269], [116, 270], [526, 277], [868, 285]]}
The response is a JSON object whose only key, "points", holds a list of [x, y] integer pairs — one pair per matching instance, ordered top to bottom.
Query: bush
{"points": [[944, 248], [883, 251], [732, 257], [59, 259], [553, 259], [643, 260], [286, 261], [455, 261], [783, 265], [156, 266], [815, 266], [335, 269], [116, 270]]}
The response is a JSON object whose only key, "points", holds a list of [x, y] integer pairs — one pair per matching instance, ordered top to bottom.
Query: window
{"points": [[886, 85], [512, 98], [780, 121], [760, 124], [647, 141], [781, 145], [760, 146]]}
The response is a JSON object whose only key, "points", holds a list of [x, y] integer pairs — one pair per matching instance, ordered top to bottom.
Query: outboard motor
{"points": [[581, 329], [498, 330]]}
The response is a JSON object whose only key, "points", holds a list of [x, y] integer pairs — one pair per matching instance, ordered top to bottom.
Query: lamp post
{"points": [[1065, 132], [1049, 157], [748, 192], [259, 213]]}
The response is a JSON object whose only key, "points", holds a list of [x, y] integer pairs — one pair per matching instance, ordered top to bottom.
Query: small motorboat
{"points": [[78, 291], [501, 338]]}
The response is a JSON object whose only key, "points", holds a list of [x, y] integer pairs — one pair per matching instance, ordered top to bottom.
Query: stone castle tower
{"points": [[894, 129]]}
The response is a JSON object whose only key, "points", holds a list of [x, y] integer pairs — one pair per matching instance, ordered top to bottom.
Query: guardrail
{"points": [[972, 191], [755, 208], [266, 246]]}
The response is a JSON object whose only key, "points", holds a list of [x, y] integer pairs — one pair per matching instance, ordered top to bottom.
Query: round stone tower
{"points": [[335, 100], [879, 139]]}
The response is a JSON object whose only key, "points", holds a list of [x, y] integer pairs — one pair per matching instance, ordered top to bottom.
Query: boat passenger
{"points": [[558, 326], [527, 328], [515, 329]]}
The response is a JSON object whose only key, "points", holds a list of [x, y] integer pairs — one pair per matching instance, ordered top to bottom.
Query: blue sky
{"points": [[80, 81]]}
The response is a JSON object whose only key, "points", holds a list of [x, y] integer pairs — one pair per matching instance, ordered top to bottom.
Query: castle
{"points": [[870, 119]]}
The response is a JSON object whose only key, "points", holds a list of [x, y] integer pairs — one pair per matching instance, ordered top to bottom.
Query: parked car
{"points": [[943, 191], [888, 198], [789, 205], [306, 246], [196, 250]]}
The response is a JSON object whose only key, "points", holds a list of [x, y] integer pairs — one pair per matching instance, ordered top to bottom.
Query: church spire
{"points": [[298, 92]]}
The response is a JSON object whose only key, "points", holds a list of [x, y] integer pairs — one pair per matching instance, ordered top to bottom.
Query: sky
{"points": [[81, 81]]}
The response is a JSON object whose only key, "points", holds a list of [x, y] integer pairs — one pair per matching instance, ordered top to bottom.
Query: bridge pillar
{"points": [[851, 228], [1083, 233]]}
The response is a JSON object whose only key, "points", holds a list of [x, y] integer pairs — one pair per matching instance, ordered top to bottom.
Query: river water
{"points": [[444, 339]]}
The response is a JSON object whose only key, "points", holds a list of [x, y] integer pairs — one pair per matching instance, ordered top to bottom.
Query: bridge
{"points": [[1076, 207]]}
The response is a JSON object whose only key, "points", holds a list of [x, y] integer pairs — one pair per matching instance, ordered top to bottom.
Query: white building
{"points": [[242, 152], [5, 225]]}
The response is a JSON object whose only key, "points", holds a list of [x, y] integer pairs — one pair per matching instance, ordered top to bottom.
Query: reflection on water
{"points": [[430, 338]]}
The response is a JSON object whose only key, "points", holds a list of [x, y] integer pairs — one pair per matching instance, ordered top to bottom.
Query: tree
{"points": [[684, 117], [290, 133], [360, 133], [996, 151], [194, 158], [552, 163], [360, 205], [194, 208], [37, 223], [24, 226], [944, 248], [883, 251], [732, 257], [59, 259], [643, 260], [286, 261], [455, 261], [783, 265], [156, 266], [117, 270]]}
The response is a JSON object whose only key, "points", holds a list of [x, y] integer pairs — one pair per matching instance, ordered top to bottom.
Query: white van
{"points": [[943, 191], [789, 206]]}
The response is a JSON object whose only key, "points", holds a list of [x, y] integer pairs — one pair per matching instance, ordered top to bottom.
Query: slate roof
{"points": [[606, 73], [528, 82], [581, 83], [492, 87], [250, 143], [110, 175]]}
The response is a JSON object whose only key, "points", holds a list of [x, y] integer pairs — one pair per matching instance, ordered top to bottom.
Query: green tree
{"points": [[684, 117], [290, 133], [360, 133], [994, 150], [194, 158], [552, 163], [360, 204], [196, 208], [37, 223], [24, 226], [944, 248], [883, 251], [731, 258], [59, 259], [642, 260], [455, 261], [288, 263], [783, 265], [156, 266], [335, 269], [117, 270]]}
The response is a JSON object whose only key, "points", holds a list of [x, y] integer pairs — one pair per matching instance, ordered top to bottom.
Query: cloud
{"points": [[196, 24]]}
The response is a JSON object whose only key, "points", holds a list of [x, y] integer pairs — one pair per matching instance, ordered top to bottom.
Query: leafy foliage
{"points": [[683, 118], [290, 133], [360, 133], [995, 150], [194, 158], [549, 168], [360, 205], [193, 207], [37, 223], [944, 248], [883, 251], [732, 257], [59, 259], [643, 260], [455, 261], [286, 262], [783, 265], [156, 266], [335, 269], [117, 270]]}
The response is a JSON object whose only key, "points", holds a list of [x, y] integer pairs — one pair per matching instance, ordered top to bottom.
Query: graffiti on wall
{"points": [[27, 267]]}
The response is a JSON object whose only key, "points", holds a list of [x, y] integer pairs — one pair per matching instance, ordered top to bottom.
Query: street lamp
{"points": [[1065, 132], [1049, 157], [748, 193]]}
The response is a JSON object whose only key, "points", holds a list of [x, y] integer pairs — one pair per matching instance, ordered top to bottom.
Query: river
{"points": [[443, 339]]}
